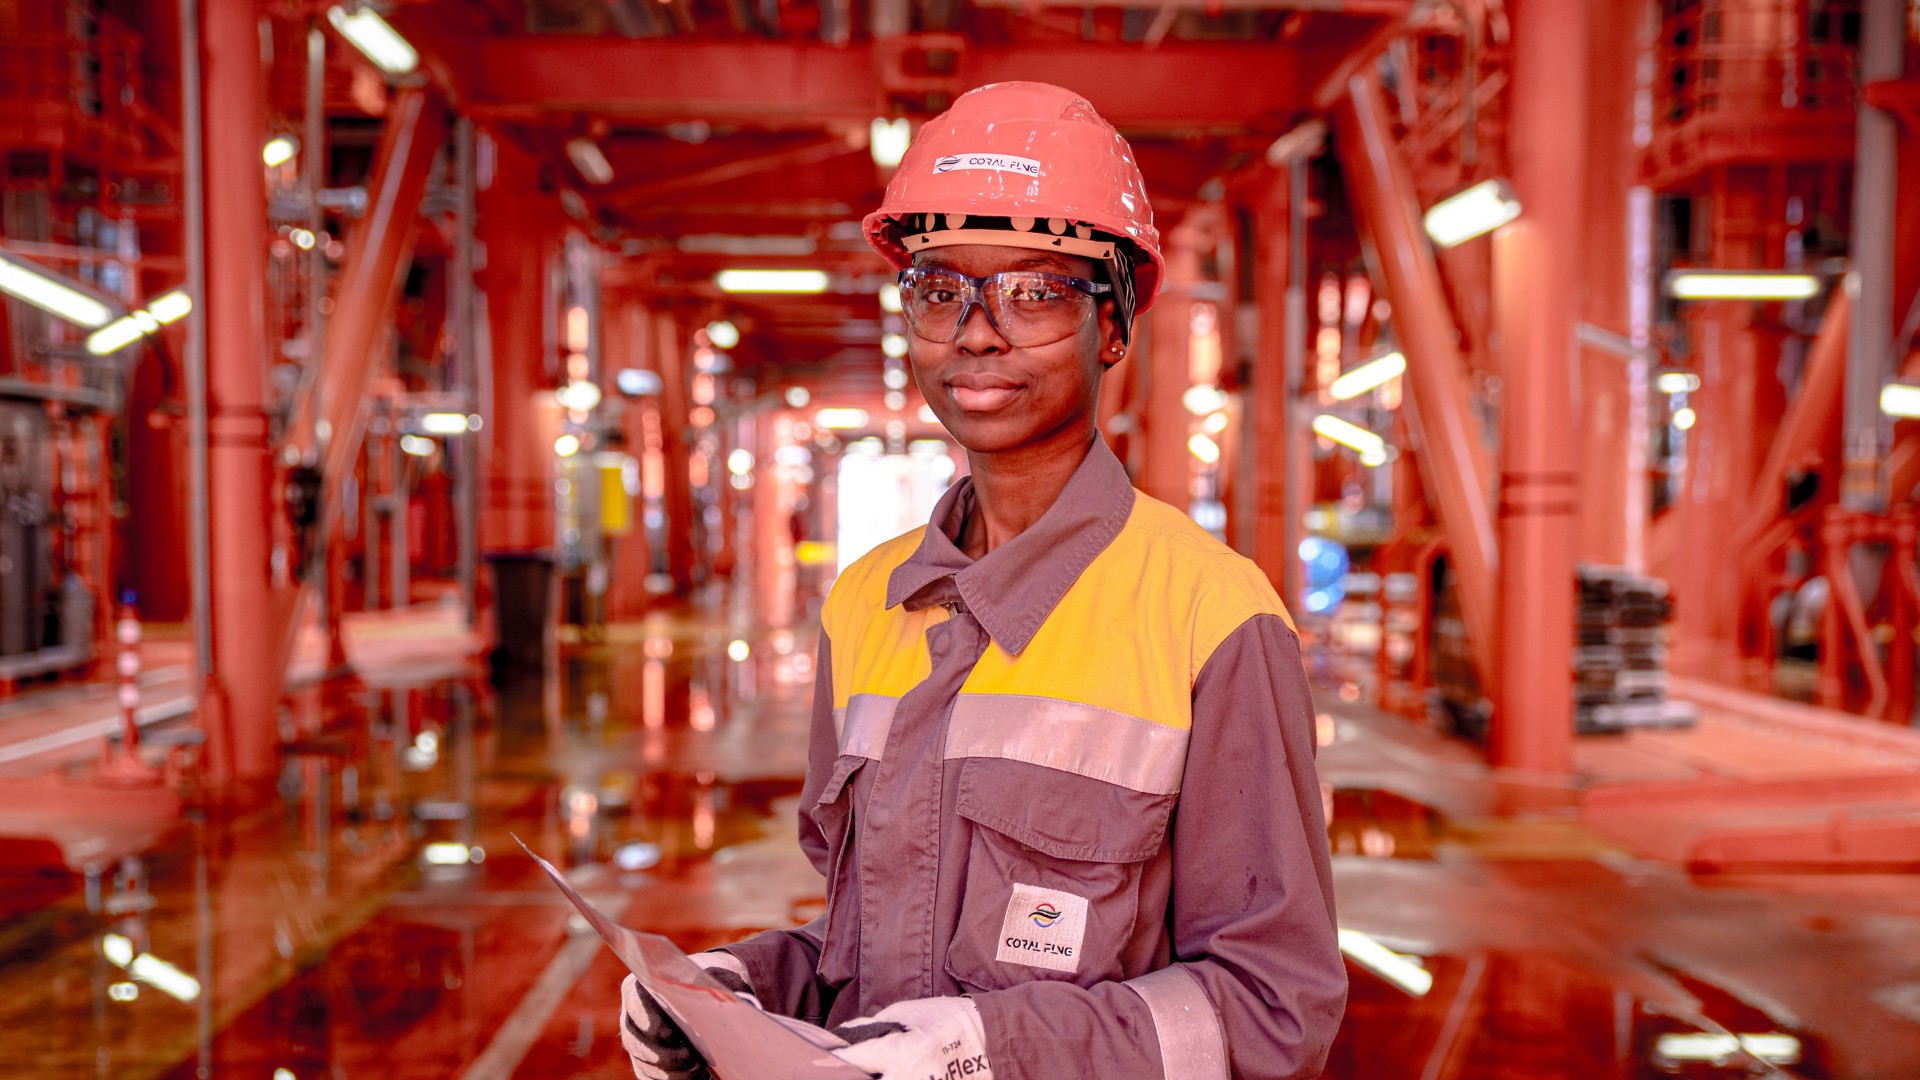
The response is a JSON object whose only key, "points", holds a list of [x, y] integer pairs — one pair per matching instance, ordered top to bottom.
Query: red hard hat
{"points": [[1031, 152]]}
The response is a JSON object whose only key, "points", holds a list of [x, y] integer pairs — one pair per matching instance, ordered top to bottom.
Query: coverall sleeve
{"points": [[782, 964], [1257, 987]]}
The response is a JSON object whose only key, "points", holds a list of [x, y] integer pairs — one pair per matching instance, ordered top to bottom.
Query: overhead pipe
{"points": [[1452, 457]]}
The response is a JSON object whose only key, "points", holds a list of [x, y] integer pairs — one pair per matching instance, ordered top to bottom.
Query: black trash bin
{"points": [[522, 610]]}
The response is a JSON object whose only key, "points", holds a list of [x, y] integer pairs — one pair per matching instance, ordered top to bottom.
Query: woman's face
{"points": [[995, 398]]}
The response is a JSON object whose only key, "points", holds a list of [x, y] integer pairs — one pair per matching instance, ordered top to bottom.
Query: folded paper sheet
{"points": [[739, 1041]]}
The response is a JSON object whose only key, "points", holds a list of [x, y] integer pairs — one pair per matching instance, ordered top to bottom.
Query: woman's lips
{"points": [[978, 392]]}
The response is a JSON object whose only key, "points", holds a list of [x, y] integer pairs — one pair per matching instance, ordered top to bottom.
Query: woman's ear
{"points": [[1113, 342]]}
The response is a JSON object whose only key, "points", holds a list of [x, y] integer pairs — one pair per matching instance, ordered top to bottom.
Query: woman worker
{"points": [[1061, 782]]}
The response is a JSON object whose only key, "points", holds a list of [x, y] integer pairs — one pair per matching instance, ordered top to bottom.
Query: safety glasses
{"points": [[1027, 307]]}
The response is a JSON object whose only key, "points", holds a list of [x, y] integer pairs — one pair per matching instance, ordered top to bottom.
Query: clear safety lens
{"points": [[1027, 307]]}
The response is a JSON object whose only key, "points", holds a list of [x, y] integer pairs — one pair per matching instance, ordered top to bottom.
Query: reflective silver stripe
{"points": [[862, 725], [1072, 737], [1192, 1046]]}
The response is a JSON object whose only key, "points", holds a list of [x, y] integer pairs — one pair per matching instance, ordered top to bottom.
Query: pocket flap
{"points": [[843, 770], [1063, 814]]}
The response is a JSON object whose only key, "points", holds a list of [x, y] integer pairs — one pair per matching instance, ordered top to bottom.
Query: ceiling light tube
{"points": [[378, 41], [888, 140], [588, 158], [1479, 209], [25, 281], [772, 281], [1741, 285], [170, 306], [115, 336], [1374, 373], [1676, 382], [1901, 400], [840, 419], [1352, 436], [1400, 970]]}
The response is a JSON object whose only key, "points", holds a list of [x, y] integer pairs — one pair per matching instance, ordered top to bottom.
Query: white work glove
{"points": [[938, 1038], [656, 1047]]}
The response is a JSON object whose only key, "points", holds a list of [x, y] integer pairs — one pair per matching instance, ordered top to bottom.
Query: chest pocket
{"points": [[834, 814], [1056, 866]]}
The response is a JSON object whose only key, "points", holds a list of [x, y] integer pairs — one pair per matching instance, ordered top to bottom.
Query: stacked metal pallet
{"points": [[1620, 653]]}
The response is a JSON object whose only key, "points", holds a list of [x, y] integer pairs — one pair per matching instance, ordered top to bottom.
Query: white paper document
{"points": [[739, 1041]]}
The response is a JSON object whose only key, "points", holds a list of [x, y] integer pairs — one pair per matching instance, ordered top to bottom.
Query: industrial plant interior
{"points": [[427, 425]]}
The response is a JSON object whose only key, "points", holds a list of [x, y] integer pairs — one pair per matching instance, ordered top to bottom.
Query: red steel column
{"points": [[518, 225], [1537, 268], [1605, 389], [1270, 399], [1738, 410], [676, 434], [1452, 458], [1165, 472], [245, 684]]}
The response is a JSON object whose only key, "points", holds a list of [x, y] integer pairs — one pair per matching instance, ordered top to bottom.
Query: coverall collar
{"points": [[1013, 588]]}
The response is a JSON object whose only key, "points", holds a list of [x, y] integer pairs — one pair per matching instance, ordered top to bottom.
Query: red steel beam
{"points": [[772, 84], [379, 250], [1453, 460]]}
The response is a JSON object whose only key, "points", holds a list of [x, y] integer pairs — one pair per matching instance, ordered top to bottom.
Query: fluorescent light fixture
{"points": [[375, 39], [888, 140], [279, 150], [588, 158], [1481, 208], [745, 246], [25, 281], [772, 281], [1741, 285], [890, 298], [170, 306], [723, 334], [114, 336], [893, 346], [1370, 375], [637, 382], [1676, 382], [579, 395], [798, 396], [1203, 399], [1900, 399], [840, 419], [1684, 419], [444, 423], [1352, 436], [416, 445], [567, 445], [1204, 448], [444, 854], [149, 969], [1402, 971], [164, 977], [1773, 1047]]}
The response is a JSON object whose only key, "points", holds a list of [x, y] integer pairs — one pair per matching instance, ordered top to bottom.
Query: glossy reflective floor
{"points": [[375, 918]]}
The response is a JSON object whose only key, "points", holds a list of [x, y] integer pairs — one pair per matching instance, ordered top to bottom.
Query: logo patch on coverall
{"points": [[1044, 928]]}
